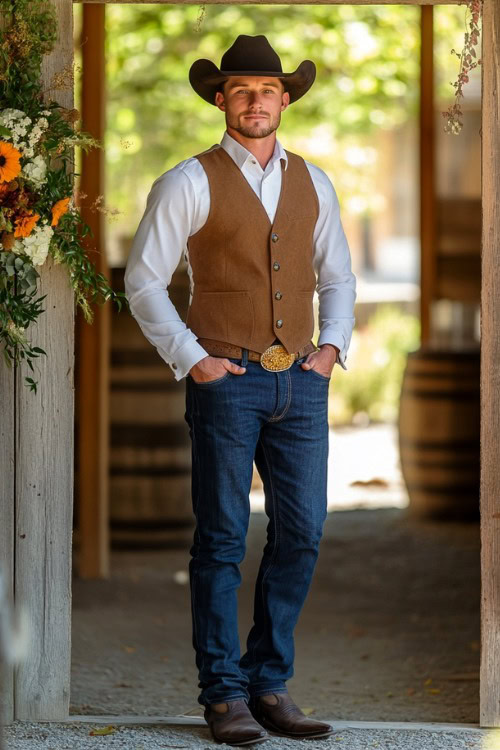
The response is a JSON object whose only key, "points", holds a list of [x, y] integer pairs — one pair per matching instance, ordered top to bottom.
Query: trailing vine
{"points": [[468, 61], [38, 214]]}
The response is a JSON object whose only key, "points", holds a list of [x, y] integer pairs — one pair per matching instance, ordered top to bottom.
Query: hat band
{"points": [[226, 73]]}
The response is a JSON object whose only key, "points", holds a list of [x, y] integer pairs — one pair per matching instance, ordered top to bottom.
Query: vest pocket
{"points": [[223, 316]]}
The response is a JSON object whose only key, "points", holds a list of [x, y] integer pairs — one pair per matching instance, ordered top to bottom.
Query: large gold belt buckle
{"points": [[276, 358]]}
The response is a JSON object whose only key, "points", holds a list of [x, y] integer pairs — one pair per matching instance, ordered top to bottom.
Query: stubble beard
{"points": [[257, 131]]}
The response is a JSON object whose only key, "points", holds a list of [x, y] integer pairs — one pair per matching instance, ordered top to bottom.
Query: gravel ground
{"points": [[73, 736]]}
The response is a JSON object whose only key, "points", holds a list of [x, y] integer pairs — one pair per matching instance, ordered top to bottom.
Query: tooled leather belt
{"points": [[275, 358]]}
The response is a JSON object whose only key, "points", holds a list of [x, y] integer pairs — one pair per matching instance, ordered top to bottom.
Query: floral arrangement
{"points": [[468, 61], [39, 218]]}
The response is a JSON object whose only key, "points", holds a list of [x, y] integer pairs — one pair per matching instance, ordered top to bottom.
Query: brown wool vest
{"points": [[250, 274]]}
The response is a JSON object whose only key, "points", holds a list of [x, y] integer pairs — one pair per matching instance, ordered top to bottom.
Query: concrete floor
{"points": [[389, 632]]}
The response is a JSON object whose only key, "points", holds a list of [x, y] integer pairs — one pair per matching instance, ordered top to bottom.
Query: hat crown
{"points": [[250, 53]]}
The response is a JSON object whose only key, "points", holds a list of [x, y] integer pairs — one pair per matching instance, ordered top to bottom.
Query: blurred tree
{"points": [[367, 60], [367, 70]]}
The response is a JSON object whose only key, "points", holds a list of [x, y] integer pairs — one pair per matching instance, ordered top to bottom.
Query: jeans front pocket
{"points": [[320, 376], [209, 383]]}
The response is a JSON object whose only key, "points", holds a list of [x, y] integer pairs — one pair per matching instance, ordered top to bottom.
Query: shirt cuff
{"points": [[336, 339], [186, 357]]}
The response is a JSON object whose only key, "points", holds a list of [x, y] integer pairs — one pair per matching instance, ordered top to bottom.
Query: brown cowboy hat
{"points": [[249, 56]]}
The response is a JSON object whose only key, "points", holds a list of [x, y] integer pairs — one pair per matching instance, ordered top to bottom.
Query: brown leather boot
{"points": [[284, 717], [233, 724]]}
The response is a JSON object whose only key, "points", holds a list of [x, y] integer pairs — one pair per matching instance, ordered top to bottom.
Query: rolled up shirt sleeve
{"points": [[158, 244], [336, 283]]}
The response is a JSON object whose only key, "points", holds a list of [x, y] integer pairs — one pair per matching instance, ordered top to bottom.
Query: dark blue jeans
{"points": [[280, 419]]}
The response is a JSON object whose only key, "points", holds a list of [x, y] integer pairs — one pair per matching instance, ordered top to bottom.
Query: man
{"points": [[260, 229]]}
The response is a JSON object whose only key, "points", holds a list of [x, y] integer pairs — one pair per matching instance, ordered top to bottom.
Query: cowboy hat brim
{"points": [[205, 77]]}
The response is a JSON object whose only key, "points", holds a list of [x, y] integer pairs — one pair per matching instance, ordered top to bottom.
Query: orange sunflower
{"points": [[9, 162], [58, 210], [24, 224]]}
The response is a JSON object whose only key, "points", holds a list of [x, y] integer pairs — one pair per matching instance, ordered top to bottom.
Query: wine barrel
{"points": [[439, 433], [150, 448]]}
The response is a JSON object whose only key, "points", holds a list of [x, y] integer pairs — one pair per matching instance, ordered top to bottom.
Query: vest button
{"points": [[274, 237], [276, 266], [278, 295], [279, 323]]}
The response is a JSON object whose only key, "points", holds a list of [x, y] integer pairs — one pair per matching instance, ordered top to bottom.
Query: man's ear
{"points": [[219, 100], [285, 100]]}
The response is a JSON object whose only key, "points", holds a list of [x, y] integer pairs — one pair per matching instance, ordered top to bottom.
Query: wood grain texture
{"points": [[275, 2], [427, 172], [94, 341], [490, 371], [44, 480], [7, 484], [7, 495]]}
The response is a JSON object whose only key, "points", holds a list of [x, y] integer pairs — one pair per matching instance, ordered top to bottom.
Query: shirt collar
{"points": [[240, 154]]}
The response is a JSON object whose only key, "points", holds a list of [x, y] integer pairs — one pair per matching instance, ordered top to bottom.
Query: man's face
{"points": [[253, 104]]}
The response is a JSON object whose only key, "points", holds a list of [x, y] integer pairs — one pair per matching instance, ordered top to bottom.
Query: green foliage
{"points": [[30, 33], [367, 60], [38, 216], [19, 307], [376, 362]]}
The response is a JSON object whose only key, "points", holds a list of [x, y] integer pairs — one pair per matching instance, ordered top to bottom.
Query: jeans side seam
{"points": [[275, 510], [195, 572]]}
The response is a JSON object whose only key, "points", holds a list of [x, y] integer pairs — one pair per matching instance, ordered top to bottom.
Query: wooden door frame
{"points": [[37, 488]]}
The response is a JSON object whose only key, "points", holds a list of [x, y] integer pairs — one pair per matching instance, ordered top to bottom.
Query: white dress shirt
{"points": [[178, 206]]}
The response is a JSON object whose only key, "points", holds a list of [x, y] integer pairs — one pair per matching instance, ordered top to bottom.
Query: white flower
{"points": [[14, 114], [19, 125], [36, 171], [36, 246]]}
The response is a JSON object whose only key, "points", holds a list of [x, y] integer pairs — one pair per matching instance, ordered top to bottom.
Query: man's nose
{"points": [[255, 99]]}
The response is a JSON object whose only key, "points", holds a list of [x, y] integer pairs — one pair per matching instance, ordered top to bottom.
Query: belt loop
{"points": [[244, 358]]}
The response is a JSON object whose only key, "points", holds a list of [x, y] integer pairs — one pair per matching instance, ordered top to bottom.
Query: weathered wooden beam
{"points": [[275, 2], [427, 180], [94, 341], [490, 370], [44, 472], [7, 512]]}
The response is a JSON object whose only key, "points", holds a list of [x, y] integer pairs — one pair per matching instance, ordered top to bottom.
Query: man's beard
{"points": [[258, 131]]}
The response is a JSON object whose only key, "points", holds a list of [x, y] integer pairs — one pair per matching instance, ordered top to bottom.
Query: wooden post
{"points": [[427, 186], [94, 341], [490, 371], [7, 483], [43, 498]]}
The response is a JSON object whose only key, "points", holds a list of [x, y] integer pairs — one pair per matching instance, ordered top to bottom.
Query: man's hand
{"points": [[322, 361], [212, 368]]}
